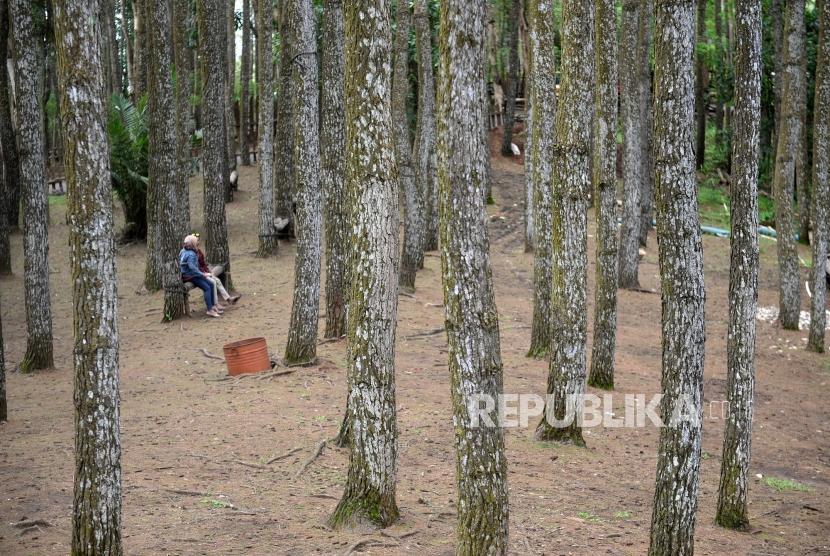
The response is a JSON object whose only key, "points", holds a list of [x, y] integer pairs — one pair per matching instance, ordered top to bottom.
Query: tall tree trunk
{"points": [[140, 10], [212, 38], [644, 38], [128, 43], [183, 59], [720, 61], [27, 64], [245, 80], [116, 81], [511, 90], [543, 92], [230, 93], [701, 94], [284, 140], [424, 147], [403, 150], [787, 151], [632, 152], [163, 157], [529, 159], [11, 163], [802, 166], [821, 182], [571, 183], [605, 193], [268, 245], [743, 271], [681, 272], [470, 308], [302, 333], [369, 494], [96, 516]]}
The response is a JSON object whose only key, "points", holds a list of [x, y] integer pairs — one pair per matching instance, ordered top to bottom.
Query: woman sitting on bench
{"points": [[189, 267], [213, 274]]}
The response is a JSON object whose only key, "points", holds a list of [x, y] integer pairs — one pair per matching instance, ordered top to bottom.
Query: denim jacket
{"points": [[189, 264]]}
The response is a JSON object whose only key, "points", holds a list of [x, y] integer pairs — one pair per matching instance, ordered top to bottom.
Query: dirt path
{"points": [[195, 451]]}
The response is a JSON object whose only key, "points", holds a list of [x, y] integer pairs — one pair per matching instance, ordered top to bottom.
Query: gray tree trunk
{"points": [[212, 37], [644, 38], [140, 54], [183, 59], [27, 64], [115, 78], [512, 85], [244, 86], [230, 92], [543, 92], [701, 92], [284, 139], [789, 141], [424, 148], [403, 151], [332, 155], [164, 160], [11, 163], [632, 165], [371, 180], [821, 182], [571, 184], [529, 189], [605, 195], [268, 244], [743, 271], [681, 276], [470, 308], [302, 333], [96, 516]]}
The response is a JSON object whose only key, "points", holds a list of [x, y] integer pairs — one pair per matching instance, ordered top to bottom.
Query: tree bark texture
{"points": [[644, 38], [140, 54], [183, 59], [27, 64], [512, 85], [244, 86], [701, 90], [230, 91], [284, 139], [424, 148], [11, 162], [371, 179], [268, 244], [681, 272], [743, 272], [472, 322], [302, 333], [96, 516]]}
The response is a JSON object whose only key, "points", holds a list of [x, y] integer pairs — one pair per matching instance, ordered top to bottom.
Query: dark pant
{"points": [[206, 286]]}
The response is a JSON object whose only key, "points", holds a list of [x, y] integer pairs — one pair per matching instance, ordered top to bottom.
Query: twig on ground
{"points": [[406, 294], [423, 334], [330, 340], [209, 355], [318, 449], [290, 452], [249, 464], [188, 492], [26, 523], [358, 544]]}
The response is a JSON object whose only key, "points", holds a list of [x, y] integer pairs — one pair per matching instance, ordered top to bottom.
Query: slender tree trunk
{"points": [[777, 24], [212, 37], [644, 38], [128, 44], [140, 48], [183, 59], [27, 61], [721, 63], [116, 79], [245, 80], [512, 85], [543, 86], [230, 93], [701, 94], [284, 139], [789, 142], [424, 148], [403, 150], [529, 159], [164, 160], [11, 164], [802, 168], [821, 182], [605, 190], [268, 245], [629, 258], [743, 271], [681, 272], [471, 315], [302, 333], [369, 495], [96, 516]]}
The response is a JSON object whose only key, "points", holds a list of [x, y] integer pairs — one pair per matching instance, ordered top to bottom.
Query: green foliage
{"points": [[128, 132], [786, 485]]}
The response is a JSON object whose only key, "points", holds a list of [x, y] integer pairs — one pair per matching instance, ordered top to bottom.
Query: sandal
{"points": [[234, 299], [213, 314]]}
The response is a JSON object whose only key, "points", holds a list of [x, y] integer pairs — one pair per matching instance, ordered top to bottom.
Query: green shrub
{"points": [[129, 138]]}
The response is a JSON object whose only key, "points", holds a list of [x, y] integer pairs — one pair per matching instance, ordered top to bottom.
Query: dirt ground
{"points": [[194, 449]]}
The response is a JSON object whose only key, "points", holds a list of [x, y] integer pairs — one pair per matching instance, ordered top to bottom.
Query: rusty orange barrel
{"points": [[247, 356]]}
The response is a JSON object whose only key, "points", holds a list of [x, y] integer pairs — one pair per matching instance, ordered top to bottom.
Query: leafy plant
{"points": [[128, 132]]}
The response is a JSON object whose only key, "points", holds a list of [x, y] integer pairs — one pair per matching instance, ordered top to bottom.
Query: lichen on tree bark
{"points": [[424, 147], [268, 244]]}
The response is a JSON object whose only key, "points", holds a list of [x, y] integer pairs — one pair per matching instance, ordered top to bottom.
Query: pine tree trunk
{"points": [[127, 29], [213, 35], [644, 38], [140, 49], [183, 59], [720, 61], [27, 64], [116, 80], [245, 80], [512, 86], [543, 86], [230, 93], [701, 94], [284, 139], [789, 142], [424, 147], [403, 150], [332, 151], [632, 152], [164, 160], [11, 162], [529, 173], [802, 173], [821, 182], [571, 183], [605, 189], [268, 245], [681, 272], [743, 272], [471, 315], [302, 333], [369, 496], [96, 517]]}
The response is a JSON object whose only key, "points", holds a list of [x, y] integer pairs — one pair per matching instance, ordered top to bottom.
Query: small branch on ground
{"points": [[424, 334], [318, 449], [290, 452]]}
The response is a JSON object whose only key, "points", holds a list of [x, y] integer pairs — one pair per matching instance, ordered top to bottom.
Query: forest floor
{"points": [[195, 450]]}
